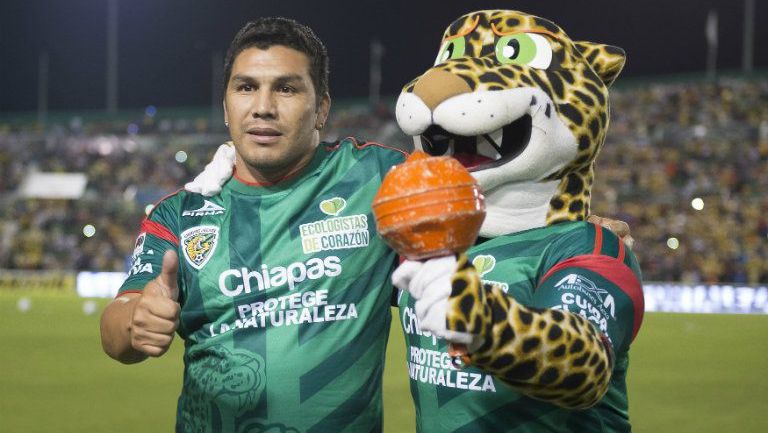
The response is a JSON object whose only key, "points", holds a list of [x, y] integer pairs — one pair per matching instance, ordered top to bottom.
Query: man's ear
{"points": [[322, 111]]}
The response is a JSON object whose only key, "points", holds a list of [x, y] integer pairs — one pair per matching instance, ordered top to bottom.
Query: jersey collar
{"points": [[237, 184]]}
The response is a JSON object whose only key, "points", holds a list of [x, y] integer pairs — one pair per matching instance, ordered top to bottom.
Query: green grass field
{"points": [[690, 373]]}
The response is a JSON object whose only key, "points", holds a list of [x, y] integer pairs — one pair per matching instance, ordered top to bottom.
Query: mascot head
{"points": [[521, 105]]}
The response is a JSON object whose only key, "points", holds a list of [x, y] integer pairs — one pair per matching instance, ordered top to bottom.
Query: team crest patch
{"points": [[198, 244]]}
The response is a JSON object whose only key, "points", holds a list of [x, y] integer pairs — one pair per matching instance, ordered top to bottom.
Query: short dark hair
{"points": [[265, 32]]}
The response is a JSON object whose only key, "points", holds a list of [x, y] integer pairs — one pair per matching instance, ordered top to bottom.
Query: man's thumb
{"points": [[169, 274]]}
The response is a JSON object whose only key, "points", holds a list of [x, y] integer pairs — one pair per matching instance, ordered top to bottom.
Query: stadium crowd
{"points": [[685, 164]]}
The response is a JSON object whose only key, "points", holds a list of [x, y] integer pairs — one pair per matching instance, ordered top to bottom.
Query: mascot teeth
{"points": [[499, 129], [488, 144]]}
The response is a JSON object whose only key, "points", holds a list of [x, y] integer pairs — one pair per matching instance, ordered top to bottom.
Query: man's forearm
{"points": [[116, 330]]}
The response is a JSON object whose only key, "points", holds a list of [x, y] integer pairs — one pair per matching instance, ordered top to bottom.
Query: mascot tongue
{"points": [[470, 161]]}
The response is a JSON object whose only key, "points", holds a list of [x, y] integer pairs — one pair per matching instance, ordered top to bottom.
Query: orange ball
{"points": [[429, 207]]}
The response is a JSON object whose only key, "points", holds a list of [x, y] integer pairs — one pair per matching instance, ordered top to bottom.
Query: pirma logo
{"points": [[333, 206], [208, 208], [198, 244], [484, 264]]}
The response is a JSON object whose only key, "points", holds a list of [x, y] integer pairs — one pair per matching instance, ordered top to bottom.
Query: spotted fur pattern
{"points": [[576, 81], [547, 354]]}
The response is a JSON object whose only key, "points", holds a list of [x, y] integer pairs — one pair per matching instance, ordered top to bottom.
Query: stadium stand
{"points": [[668, 145]]}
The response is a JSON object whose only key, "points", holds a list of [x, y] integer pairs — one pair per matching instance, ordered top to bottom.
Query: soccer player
{"points": [[278, 284]]}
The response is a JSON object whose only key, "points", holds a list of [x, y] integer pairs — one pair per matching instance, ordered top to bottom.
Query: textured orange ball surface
{"points": [[429, 207]]}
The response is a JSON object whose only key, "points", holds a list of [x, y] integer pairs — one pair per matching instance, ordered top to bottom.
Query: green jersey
{"points": [[577, 267], [284, 293]]}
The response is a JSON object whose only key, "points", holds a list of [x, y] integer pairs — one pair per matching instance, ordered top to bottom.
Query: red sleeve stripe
{"points": [[159, 230], [598, 239], [621, 251], [614, 271], [127, 292]]}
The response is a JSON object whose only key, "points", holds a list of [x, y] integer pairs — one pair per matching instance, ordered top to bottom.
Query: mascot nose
{"points": [[438, 85]]}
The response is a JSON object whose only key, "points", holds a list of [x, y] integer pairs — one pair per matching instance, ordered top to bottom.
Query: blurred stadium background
{"points": [[105, 107]]}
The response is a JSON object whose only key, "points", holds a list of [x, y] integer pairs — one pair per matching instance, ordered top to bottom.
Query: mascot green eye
{"points": [[451, 49], [527, 49]]}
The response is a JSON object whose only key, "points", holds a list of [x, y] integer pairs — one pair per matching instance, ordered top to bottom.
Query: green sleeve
{"points": [[158, 234]]}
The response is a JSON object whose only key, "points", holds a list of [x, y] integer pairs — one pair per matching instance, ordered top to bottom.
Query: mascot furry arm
{"points": [[525, 108]]}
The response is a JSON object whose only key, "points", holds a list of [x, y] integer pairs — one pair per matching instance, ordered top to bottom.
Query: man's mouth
{"points": [[264, 131], [264, 134], [480, 151]]}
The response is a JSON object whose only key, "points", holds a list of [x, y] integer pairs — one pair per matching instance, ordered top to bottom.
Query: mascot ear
{"points": [[606, 60]]}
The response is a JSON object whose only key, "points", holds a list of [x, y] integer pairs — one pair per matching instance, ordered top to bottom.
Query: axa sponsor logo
{"points": [[208, 208], [198, 244], [234, 282], [583, 285], [582, 296]]}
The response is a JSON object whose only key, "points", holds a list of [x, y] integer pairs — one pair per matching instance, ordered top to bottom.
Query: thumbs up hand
{"points": [[155, 317]]}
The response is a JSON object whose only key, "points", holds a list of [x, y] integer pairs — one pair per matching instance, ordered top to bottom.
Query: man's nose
{"points": [[264, 104]]}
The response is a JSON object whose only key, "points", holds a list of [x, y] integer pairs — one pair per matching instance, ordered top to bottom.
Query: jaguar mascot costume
{"points": [[545, 305]]}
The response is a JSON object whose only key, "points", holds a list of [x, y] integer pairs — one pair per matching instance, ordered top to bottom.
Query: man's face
{"points": [[271, 108]]}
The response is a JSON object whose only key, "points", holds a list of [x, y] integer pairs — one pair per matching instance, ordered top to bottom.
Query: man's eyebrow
{"points": [[242, 78], [279, 78], [288, 78]]}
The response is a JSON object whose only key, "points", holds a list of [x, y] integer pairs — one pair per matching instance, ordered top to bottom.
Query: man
{"points": [[278, 284]]}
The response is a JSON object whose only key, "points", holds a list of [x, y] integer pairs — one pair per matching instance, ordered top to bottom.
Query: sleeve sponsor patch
{"points": [[138, 247], [580, 295]]}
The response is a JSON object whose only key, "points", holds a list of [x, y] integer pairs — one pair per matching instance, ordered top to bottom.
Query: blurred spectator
{"points": [[670, 144], [667, 145]]}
